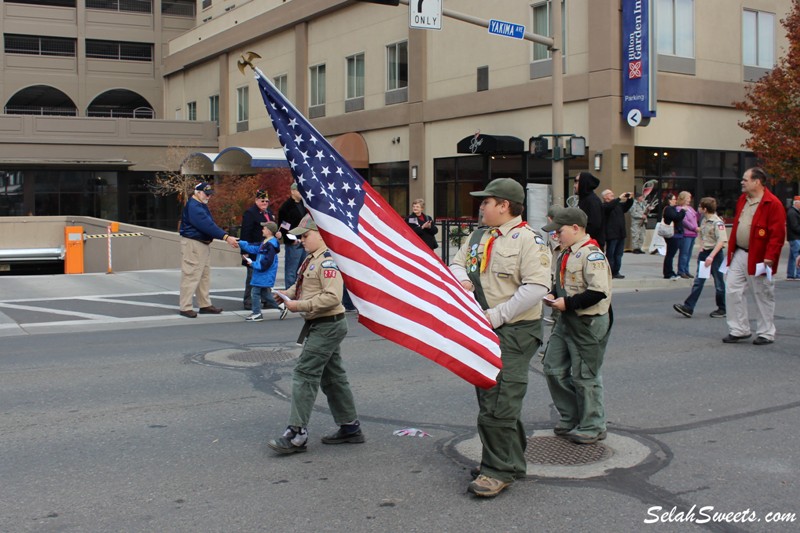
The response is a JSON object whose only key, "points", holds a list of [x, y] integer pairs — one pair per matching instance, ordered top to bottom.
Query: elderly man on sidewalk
{"points": [[757, 237]]}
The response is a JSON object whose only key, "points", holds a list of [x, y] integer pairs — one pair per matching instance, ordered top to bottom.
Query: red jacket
{"points": [[767, 233]]}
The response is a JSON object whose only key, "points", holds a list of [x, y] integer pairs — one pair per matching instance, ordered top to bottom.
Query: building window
{"points": [[58, 3], [206, 4], [134, 6], [178, 8], [541, 26], [675, 27], [758, 39], [39, 46], [120, 51], [397, 66], [355, 76], [281, 83], [317, 85], [213, 108], [242, 108], [191, 111], [390, 180]]}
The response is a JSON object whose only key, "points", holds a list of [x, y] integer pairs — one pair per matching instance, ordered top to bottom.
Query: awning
{"points": [[490, 144], [353, 148], [235, 160]]}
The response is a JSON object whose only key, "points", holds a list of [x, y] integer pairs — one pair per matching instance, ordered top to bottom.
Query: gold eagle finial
{"points": [[247, 61]]}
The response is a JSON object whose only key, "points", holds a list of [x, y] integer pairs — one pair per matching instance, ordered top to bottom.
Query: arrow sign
{"points": [[506, 29]]}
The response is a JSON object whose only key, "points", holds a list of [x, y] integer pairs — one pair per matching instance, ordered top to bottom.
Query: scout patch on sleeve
{"points": [[720, 225], [538, 239], [596, 256], [329, 263], [329, 273]]}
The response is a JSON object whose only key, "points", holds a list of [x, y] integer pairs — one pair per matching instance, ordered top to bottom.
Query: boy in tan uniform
{"points": [[713, 237], [508, 269], [317, 294], [574, 355]]}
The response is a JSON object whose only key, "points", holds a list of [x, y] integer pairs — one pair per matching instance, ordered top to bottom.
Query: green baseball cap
{"points": [[504, 188], [566, 217], [307, 224]]}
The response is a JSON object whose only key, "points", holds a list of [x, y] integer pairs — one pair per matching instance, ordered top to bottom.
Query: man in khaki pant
{"points": [[197, 231], [757, 236]]}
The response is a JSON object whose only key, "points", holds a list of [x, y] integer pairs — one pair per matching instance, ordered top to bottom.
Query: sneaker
{"points": [[682, 309], [210, 310], [284, 312], [719, 313], [255, 318], [562, 430], [347, 433], [584, 438], [293, 440], [487, 487]]}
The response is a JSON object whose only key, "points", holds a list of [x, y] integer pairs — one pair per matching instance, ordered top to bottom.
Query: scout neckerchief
{"points": [[493, 234], [565, 256], [473, 266], [300, 277]]}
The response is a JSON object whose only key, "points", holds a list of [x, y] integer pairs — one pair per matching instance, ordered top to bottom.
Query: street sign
{"points": [[425, 14], [507, 29]]}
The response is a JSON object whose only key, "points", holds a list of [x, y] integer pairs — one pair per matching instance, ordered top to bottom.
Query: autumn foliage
{"points": [[772, 106], [234, 194]]}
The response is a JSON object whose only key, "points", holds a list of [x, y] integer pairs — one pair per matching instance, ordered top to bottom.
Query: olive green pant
{"points": [[572, 364], [320, 366], [499, 424]]}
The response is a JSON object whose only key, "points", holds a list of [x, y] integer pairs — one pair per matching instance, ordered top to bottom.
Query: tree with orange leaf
{"points": [[772, 105]]}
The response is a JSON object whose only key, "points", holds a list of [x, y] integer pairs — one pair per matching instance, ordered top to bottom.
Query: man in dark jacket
{"points": [[589, 203], [614, 210], [290, 214], [197, 231], [251, 232], [793, 236]]}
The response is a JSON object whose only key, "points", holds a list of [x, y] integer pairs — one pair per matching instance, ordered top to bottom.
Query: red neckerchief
{"points": [[493, 234], [565, 256], [298, 289]]}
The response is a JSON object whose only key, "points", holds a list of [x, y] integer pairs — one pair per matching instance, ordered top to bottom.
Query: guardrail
{"points": [[19, 255]]}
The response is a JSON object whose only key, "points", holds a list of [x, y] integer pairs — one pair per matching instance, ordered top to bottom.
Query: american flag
{"points": [[402, 291]]}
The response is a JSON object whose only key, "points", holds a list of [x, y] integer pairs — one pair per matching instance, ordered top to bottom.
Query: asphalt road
{"points": [[139, 429]]}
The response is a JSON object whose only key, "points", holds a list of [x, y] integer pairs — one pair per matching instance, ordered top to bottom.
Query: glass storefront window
{"points": [[390, 180], [12, 194]]}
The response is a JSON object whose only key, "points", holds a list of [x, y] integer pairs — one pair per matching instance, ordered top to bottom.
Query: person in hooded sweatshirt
{"points": [[590, 203]]}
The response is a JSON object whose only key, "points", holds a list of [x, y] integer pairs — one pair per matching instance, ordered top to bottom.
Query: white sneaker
{"points": [[284, 312], [255, 318]]}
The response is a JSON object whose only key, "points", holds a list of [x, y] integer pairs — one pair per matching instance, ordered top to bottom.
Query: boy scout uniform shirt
{"points": [[712, 231], [519, 256], [587, 269], [322, 287]]}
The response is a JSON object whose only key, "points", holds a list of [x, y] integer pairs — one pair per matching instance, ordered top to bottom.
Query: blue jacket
{"points": [[197, 224], [265, 266]]}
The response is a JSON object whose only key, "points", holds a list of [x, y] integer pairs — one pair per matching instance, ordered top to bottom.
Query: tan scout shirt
{"points": [[745, 221], [712, 231], [519, 256], [587, 269], [322, 288]]}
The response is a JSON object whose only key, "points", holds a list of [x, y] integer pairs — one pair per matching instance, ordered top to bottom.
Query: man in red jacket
{"points": [[759, 230]]}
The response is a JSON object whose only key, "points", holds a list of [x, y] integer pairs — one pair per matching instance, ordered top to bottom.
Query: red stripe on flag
{"points": [[434, 354]]}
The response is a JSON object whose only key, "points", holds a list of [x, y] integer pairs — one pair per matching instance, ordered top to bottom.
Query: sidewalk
{"points": [[149, 298]]}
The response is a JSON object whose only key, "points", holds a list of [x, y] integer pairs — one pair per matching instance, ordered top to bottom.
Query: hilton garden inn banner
{"points": [[638, 62]]}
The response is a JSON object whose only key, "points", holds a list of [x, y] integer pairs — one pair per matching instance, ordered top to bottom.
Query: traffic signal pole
{"points": [[554, 45]]}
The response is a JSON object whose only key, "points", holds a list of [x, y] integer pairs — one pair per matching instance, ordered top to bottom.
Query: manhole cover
{"points": [[262, 356], [252, 357], [558, 451], [549, 456]]}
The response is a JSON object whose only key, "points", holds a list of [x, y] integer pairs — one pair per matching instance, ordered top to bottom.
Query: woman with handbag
{"points": [[672, 216]]}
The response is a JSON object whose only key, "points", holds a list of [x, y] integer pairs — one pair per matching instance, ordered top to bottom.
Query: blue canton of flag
{"points": [[402, 291]]}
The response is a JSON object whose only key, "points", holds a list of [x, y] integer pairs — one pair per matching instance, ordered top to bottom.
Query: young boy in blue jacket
{"points": [[265, 269]]}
